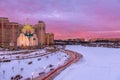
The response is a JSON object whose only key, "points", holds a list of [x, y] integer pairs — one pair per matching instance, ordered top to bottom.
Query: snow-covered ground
{"points": [[39, 64], [97, 64]]}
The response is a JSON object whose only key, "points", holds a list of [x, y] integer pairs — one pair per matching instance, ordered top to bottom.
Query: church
{"points": [[15, 35], [27, 37]]}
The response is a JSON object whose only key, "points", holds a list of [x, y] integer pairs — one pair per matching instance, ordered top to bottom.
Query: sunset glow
{"points": [[67, 18]]}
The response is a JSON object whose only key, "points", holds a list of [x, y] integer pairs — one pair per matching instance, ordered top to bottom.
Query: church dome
{"points": [[28, 28]]}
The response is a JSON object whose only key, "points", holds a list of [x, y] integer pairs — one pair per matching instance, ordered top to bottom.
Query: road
{"points": [[19, 57], [74, 57]]}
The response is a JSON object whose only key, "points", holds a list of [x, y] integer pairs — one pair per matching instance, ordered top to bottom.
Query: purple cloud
{"points": [[66, 16]]}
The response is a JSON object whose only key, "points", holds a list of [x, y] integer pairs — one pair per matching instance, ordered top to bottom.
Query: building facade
{"points": [[3, 30], [40, 31], [15, 35], [49, 38]]}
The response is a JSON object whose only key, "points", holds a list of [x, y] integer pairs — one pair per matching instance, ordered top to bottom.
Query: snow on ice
{"points": [[97, 64]]}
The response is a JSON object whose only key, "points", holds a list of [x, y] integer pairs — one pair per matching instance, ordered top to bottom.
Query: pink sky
{"points": [[67, 18]]}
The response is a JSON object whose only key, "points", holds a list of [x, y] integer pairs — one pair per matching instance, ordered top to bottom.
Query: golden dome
{"points": [[28, 28]]}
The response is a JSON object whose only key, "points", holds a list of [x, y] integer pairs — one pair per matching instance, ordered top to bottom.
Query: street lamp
{"points": [[58, 64], [44, 69], [32, 75]]}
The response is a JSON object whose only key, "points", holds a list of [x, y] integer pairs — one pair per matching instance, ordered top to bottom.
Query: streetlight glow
{"points": [[32, 75]]}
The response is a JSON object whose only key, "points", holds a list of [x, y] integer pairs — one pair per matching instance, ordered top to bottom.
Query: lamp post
{"points": [[58, 64], [44, 69], [32, 75]]}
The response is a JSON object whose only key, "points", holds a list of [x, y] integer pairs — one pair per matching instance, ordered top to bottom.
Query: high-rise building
{"points": [[3, 31], [40, 31], [8, 32], [13, 33], [49, 38]]}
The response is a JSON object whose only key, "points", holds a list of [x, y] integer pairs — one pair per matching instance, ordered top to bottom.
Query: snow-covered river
{"points": [[97, 64]]}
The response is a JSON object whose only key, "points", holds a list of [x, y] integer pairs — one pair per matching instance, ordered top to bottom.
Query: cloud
{"points": [[66, 18]]}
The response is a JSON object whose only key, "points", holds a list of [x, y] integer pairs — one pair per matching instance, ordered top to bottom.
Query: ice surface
{"points": [[97, 64]]}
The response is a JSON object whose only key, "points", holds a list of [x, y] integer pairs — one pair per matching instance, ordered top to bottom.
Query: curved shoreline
{"points": [[74, 57]]}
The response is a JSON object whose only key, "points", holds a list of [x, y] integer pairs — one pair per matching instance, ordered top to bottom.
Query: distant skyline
{"points": [[67, 18]]}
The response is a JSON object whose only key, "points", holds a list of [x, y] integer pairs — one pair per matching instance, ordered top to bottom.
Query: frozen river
{"points": [[97, 64]]}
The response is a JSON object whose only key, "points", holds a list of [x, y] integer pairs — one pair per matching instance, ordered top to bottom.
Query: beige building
{"points": [[3, 30], [40, 31], [8, 32], [15, 35], [49, 39]]}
